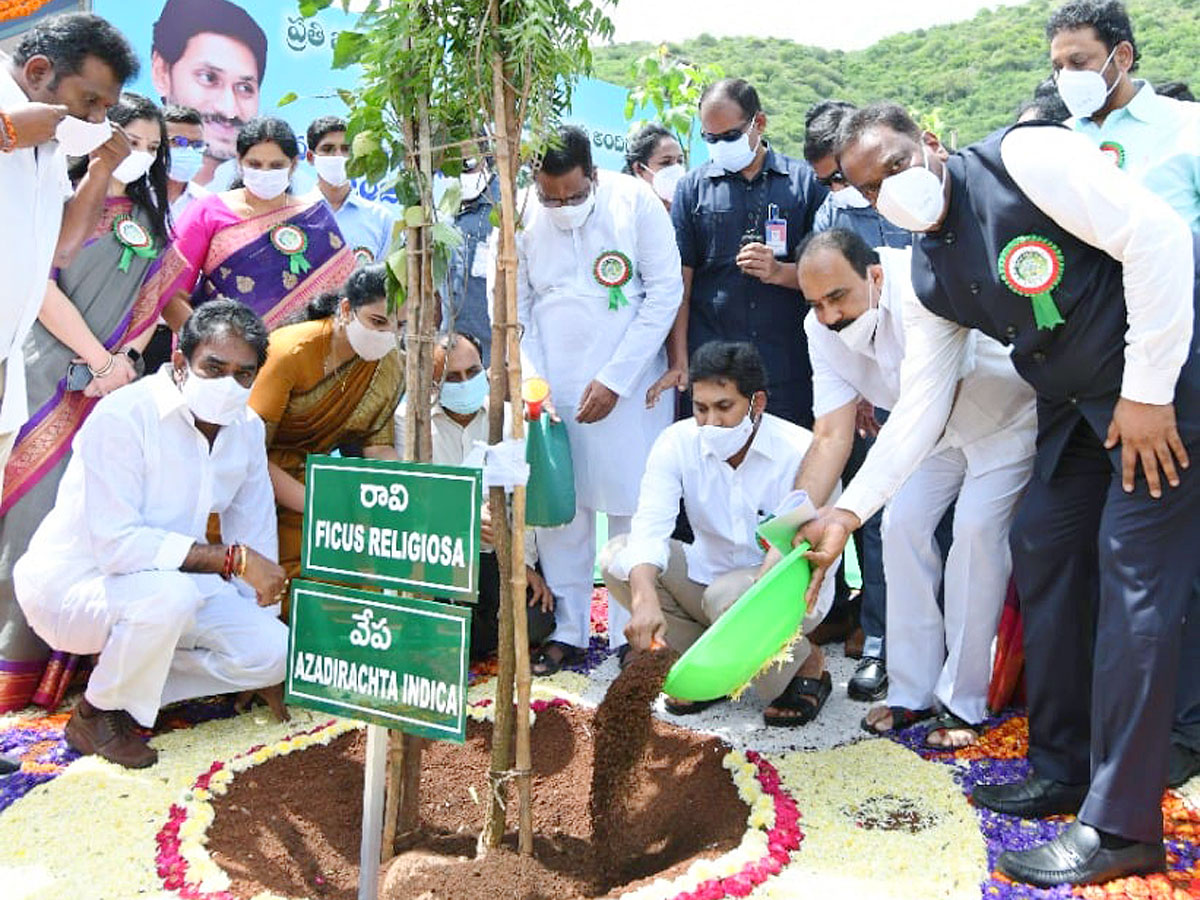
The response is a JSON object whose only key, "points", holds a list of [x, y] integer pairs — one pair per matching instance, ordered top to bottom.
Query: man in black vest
{"points": [[1032, 237]]}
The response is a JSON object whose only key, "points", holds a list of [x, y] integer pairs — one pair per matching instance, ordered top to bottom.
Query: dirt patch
{"points": [[291, 826]]}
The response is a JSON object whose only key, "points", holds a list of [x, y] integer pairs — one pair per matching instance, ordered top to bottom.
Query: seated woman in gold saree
{"points": [[330, 381]]}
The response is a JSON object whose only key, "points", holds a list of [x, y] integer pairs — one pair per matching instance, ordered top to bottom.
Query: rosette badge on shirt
{"points": [[134, 241], [291, 241], [1032, 266], [613, 270]]}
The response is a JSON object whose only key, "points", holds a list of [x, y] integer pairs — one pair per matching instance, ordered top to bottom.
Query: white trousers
{"points": [[568, 557], [163, 637], [948, 657]]}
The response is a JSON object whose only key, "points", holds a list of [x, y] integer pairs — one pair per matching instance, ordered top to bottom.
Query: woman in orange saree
{"points": [[257, 243], [329, 382]]}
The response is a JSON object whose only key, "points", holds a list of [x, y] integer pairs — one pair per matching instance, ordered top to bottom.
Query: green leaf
{"points": [[309, 8], [349, 49], [289, 97], [348, 97], [364, 144], [451, 200], [414, 216], [446, 235], [397, 263]]}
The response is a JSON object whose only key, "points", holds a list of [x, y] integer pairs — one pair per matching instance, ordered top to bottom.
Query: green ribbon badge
{"points": [[1114, 151], [134, 240], [291, 241], [1032, 266], [613, 271]]}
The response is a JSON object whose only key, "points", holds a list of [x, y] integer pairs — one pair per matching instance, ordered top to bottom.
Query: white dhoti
{"points": [[568, 558], [162, 636], [948, 656]]}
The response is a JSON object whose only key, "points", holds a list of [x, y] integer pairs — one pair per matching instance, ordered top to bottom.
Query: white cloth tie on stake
{"points": [[504, 464]]}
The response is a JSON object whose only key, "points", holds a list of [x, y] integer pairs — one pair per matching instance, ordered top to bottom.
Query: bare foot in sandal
{"points": [[804, 696], [881, 720], [949, 732]]}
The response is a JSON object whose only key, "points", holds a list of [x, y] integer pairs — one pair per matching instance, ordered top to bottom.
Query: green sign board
{"points": [[393, 524], [398, 662]]}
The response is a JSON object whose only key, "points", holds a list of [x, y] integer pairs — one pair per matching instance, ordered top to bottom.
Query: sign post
{"points": [[395, 662]]}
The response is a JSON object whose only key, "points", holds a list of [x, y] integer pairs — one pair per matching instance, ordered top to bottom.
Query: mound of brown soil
{"points": [[291, 826]]}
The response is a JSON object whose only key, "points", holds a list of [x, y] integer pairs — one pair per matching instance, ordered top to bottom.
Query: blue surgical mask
{"points": [[185, 163], [465, 397]]}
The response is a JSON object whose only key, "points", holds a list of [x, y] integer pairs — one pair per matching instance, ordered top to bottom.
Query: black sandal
{"points": [[545, 663], [805, 696], [689, 707], [902, 717], [948, 721]]}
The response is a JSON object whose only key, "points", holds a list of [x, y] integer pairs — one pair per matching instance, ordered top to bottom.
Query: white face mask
{"points": [[1085, 91], [79, 138], [733, 156], [134, 166], [332, 169], [665, 180], [266, 184], [473, 184], [848, 197], [913, 199], [568, 218], [859, 335], [369, 343], [219, 401], [723, 442]]}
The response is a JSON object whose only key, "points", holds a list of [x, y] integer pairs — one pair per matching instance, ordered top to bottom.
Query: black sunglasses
{"points": [[724, 137], [834, 177]]}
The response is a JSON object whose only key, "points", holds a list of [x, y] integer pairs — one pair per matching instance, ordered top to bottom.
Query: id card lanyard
{"points": [[776, 231]]}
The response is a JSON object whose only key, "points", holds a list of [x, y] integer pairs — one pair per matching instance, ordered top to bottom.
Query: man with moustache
{"points": [[210, 55]]}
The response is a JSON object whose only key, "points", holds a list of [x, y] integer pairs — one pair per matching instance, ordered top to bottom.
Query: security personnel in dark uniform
{"points": [[738, 220], [1033, 238]]}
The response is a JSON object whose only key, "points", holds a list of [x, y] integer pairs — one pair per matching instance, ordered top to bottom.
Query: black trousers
{"points": [[1105, 579], [485, 623]]}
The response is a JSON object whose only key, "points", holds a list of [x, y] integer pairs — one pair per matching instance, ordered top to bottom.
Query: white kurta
{"points": [[33, 188], [572, 336], [101, 574]]}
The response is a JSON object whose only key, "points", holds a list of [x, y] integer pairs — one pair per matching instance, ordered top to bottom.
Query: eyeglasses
{"points": [[724, 137], [181, 142], [834, 177], [573, 200]]}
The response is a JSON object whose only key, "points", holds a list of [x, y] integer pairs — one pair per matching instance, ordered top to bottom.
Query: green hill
{"points": [[971, 75]]}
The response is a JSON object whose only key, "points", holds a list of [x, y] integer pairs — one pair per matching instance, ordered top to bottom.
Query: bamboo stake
{"points": [[505, 158]]}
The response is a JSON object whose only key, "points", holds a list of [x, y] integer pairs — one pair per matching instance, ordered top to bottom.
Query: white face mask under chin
{"points": [[915, 198], [859, 335], [219, 401], [725, 442]]}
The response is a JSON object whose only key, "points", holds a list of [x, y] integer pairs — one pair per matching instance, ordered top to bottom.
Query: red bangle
{"points": [[10, 133], [230, 556]]}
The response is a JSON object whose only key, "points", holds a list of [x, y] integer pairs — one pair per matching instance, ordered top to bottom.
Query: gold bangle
{"points": [[242, 559]]}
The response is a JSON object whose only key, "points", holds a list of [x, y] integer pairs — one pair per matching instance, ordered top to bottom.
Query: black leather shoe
{"points": [[870, 681], [1182, 764], [1033, 798], [1076, 857]]}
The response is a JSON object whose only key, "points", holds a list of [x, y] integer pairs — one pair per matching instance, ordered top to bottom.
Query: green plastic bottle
{"points": [[550, 492]]}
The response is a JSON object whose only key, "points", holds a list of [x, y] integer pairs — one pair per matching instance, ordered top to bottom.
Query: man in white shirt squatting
{"points": [[599, 286], [863, 304], [732, 464], [121, 566]]}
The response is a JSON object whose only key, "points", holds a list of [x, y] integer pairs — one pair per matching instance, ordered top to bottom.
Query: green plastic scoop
{"points": [[735, 647]]}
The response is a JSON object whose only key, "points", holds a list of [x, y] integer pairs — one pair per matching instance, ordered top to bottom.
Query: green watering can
{"points": [[550, 491]]}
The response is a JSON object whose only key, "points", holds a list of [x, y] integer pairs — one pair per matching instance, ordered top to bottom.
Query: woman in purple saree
{"points": [[256, 243]]}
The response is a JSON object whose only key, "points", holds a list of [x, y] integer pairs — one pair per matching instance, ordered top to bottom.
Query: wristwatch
{"points": [[139, 364]]}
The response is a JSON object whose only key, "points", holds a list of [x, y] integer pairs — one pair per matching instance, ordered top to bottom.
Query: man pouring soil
{"points": [[731, 464]]}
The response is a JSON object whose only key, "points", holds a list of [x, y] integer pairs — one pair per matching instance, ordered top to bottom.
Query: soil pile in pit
{"points": [[622, 730], [291, 826]]}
